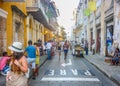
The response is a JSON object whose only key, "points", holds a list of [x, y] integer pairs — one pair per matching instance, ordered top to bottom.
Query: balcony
{"points": [[36, 9], [98, 13], [109, 13], [98, 21]]}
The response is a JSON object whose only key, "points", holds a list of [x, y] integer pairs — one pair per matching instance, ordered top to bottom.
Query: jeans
{"points": [[86, 51], [49, 53]]}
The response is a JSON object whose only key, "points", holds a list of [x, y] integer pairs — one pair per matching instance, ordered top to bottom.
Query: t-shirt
{"points": [[48, 46], [59, 47], [65, 47], [31, 51], [3, 62]]}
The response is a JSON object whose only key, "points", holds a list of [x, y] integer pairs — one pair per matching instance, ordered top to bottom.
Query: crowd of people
{"points": [[16, 66]]}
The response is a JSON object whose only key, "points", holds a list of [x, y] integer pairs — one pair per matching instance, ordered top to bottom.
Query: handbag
{"points": [[14, 79]]}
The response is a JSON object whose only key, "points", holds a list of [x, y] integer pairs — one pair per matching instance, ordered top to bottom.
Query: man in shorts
{"points": [[31, 52]]}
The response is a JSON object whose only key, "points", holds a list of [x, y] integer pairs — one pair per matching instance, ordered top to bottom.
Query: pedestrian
{"points": [[86, 47], [93, 47], [40, 48], [48, 48], [65, 48], [59, 49], [31, 58], [37, 58], [115, 58], [4, 63], [18, 67]]}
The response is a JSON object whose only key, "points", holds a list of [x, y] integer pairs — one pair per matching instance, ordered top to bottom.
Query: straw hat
{"points": [[16, 46]]}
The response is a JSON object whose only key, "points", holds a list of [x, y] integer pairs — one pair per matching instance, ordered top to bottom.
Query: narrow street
{"points": [[74, 71]]}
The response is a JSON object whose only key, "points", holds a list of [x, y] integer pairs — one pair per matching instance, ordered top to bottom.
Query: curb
{"points": [[42, 63], [111, 78]]}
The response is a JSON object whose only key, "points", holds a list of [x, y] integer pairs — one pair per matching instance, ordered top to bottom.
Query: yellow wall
{"points": [[9, 28], [48, 34]]}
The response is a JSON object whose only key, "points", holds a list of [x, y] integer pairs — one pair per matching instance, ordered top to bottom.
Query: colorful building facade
{"points": [[13, 23]]}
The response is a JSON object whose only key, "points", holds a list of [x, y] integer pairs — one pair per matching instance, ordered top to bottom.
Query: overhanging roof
{"points": [[39, 16]]}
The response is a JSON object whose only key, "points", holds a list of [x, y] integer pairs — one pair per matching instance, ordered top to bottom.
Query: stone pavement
{"points": [[42, 60], [113, 72]]}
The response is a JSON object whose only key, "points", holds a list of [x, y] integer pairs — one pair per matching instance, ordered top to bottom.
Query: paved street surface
{"points": [[73, 71], [112, 72]]}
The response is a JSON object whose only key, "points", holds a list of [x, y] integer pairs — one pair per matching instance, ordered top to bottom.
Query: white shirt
{"points": [[49, 45]]}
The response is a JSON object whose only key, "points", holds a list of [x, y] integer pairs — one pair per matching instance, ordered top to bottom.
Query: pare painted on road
{"points": [[64, 72]]}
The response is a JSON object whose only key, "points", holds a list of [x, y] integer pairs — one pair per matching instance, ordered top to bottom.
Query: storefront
{"points": [[109, 36], [91, 38], [98, 40]]}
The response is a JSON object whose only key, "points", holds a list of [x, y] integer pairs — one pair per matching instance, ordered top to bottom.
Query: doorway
{"points": [[98, 41]]}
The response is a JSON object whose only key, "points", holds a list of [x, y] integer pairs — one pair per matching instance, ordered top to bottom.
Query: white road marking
{"points": [[66, 64], [51, 72], [63, 72], [75, 72], [88, 73], [68, 79]]}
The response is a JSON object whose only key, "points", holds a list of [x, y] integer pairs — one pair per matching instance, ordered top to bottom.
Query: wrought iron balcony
{"points": [[37, 9]]}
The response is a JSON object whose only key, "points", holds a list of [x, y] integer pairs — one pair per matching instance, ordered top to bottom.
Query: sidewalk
{"points": [[42, 60], [113, 72]]}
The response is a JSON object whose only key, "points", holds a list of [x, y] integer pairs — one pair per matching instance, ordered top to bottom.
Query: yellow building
{"points": [[13, 24], [35, 30], [48, 35]]}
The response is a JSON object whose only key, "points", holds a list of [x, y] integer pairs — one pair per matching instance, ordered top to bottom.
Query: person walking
{"points": [[86, 47], [48, 48], [65, 48], [59, 49], [31, 58], [37, 58], [18, 66]]}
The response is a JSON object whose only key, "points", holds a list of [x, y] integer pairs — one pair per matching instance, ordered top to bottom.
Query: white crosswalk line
{"points": [[68, 79]]}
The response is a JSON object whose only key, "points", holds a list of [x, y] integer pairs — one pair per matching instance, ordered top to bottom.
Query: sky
{"points": [[66, 8]]}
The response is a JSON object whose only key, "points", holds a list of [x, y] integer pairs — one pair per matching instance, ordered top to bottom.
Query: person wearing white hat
{"points": [[18, 65]]}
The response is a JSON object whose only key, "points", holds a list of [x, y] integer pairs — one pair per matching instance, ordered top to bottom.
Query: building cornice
{"points": [[17, 10]]}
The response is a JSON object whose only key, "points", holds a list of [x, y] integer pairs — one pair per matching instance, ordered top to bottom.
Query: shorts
{"points": [[65, 51], [31, 61]]}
